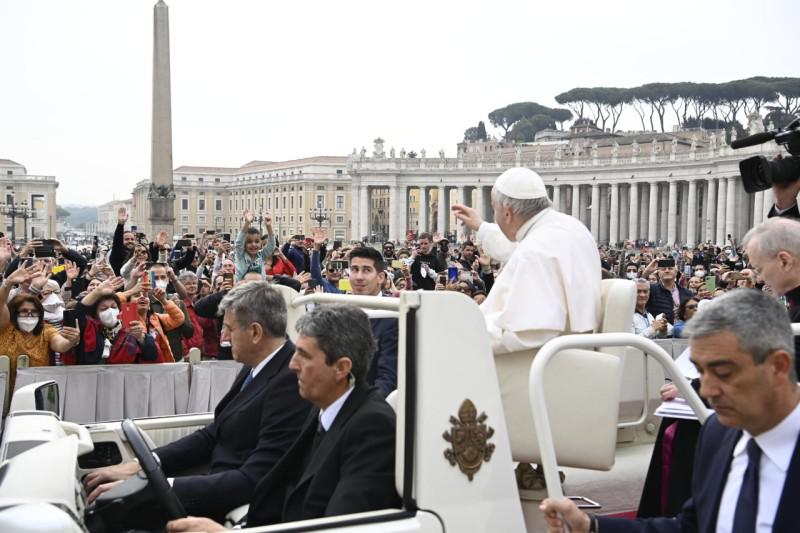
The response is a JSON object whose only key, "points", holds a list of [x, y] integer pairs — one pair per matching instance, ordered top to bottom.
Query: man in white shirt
{"points": [[643, 322], [343, 460], [747, 472]]}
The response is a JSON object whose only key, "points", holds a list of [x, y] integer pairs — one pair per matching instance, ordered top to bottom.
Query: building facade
{"points": [[299, 195], [33, 196], [108, 215]]}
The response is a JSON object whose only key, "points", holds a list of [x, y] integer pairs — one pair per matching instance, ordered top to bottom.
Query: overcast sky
{"points": [[283, 80]]}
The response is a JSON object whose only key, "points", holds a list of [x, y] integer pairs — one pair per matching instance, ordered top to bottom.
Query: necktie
{"points": [[247, 381], [318, 436], [744, 519]]}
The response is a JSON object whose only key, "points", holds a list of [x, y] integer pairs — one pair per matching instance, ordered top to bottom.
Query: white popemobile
{"points": [[454, 466]]}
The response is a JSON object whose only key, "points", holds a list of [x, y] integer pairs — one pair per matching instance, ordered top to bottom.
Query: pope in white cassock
{"points": [[550, 283]]}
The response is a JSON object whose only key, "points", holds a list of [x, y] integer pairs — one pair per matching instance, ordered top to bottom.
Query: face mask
{"points": [[700, 273], [631, 275], [162, 284], [52, 303], [54, 316], [108, 317], [27, 324]]}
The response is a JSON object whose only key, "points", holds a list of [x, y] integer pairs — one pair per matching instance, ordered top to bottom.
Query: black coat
{"points": [[661, 301], [383, 370], [252, 430], [712, 463], [352, 470]]}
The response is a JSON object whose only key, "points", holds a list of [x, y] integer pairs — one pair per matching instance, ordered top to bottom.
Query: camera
{"points": [[759, 173]]}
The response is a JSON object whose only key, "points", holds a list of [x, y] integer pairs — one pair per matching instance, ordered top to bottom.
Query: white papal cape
{"points": [[550, 284]]}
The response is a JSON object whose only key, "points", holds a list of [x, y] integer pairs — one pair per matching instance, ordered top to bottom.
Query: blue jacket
{"points": [[316, 275], [383, 371]]}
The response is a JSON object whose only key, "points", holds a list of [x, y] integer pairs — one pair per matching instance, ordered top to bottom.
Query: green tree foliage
{"points": [[508, 116], [525, 130], [481, 131], [471, 134]]}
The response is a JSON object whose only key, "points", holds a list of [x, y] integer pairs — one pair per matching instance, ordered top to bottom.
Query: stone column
{"points": [[162, 194], [557, 197], [461, 199], [576, 201], [424, 203], [672, 206], [722, 206], [758, 208], [730, 209], [355, 211], [652, 211], [711, 211], [364, 212], [663, 212], [394, 213], [603, 213], [442, 214], [691, 215], [624, 219], [595, 223], [633, 224], [613, 235]]}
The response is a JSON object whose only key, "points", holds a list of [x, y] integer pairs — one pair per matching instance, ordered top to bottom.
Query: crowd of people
{"points": [[537, 275]]}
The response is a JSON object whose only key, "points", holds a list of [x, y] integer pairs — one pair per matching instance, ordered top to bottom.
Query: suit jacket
{"points": [[383, 370], [252, 430], [712, 462], [351, 471]]}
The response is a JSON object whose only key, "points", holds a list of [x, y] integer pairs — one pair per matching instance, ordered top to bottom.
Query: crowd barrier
{"points": [[112, 392]]}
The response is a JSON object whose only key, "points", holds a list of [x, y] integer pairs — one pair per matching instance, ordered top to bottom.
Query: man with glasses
{"points": [[643, 322]]}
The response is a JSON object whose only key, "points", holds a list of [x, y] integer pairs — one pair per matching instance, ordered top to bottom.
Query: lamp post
{"points": [[15, 211], [320, 215]]}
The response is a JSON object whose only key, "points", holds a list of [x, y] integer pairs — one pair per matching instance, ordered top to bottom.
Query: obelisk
{"points": [[162, 195]]}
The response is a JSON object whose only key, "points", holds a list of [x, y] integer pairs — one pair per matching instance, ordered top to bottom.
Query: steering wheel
{"points": [[155, 476]]}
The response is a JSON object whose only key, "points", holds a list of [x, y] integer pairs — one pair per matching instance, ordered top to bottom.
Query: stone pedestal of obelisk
{"points": [[162, 194]]}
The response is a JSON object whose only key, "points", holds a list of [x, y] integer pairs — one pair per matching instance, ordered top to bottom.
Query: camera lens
{"points": [[759, 173]]}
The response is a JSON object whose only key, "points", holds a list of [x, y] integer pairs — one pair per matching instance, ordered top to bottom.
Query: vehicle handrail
{"points": [[372, 302], [796, 329], [536, 389]]}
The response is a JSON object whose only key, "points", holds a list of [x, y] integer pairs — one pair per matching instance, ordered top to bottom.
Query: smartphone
{"points": [[134, 229], [211, 232], [188, 236], [226, 237], [184, 243], [337, 245], [44, 251], [163, 256], [397, 263], [666, 263], [338, 265], [58, 268], [452, 273], [735, 276], [228, 278], [442, 279], [148, 281], [711, 283], [312, 284], [344, 285], [129, 313], [70, 318]]}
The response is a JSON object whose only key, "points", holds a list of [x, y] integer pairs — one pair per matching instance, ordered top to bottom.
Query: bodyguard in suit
{"points": [[367, 274], [255, 422], [343, 460], [747, 467]]}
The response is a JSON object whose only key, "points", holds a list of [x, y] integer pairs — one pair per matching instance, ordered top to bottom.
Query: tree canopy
{"points": [[506, 117]]}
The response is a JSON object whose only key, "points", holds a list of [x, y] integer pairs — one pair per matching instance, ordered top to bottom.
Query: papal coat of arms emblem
{"points": [[468, 438]]}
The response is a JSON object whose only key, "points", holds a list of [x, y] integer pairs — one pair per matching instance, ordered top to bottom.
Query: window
{"points": [[338, 170], [183, 178], [199, 179], [216, 180], [320, 187], [340, 188], [291, 201], [301, 201], [321, 201], [269, 202], [284, 202], [339, 202], [248, 203], [184, 204], [201, 204], [230, 204], [218, 205], [300, 218], [185, 219], [201, 219], [291, 219], [339, 219], [218, 221], [184, 230]]}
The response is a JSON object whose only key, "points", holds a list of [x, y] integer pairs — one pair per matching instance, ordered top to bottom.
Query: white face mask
{"points": [[700, 273], [631, 275], [162, 284], [54, 316], [108, 317], [27, 324]]}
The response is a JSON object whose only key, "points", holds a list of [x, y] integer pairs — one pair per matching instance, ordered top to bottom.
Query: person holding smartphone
{"points": [[666, 295]]}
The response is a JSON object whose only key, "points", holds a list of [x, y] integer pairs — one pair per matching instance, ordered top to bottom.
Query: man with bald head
{"points": [[773, 249]]}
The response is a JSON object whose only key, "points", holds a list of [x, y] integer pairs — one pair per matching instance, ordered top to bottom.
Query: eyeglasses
{"points": [[28, 314]]}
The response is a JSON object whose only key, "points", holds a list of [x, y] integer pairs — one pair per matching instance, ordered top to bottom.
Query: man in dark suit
{"points": [[367, 275], [254, 424], [343, 461], [747, 467]]}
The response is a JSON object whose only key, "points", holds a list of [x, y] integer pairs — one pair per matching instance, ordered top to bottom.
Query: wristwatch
{"points": [[593, 526]]}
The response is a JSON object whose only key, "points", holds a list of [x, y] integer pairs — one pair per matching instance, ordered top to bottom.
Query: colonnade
{"points": [[686, 211]]}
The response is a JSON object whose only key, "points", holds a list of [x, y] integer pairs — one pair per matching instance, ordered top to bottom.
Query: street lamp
{"points": [[15, 211], [320, 215]]}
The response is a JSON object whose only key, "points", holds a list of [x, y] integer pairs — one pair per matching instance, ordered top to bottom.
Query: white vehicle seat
{"points": [[583, 389], [392, 400]]}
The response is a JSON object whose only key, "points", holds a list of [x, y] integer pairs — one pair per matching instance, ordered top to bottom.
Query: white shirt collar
{"points": [[526, 227], [263, 363], [327, 416], [778, 443]]}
